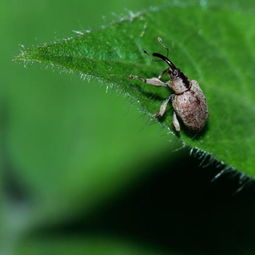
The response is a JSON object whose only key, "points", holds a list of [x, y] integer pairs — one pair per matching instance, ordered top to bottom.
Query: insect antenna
{"points": [[163, 45], [152, 59]]}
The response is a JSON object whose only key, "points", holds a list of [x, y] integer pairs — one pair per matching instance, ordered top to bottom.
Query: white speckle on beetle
{"points": [[188, 100]]}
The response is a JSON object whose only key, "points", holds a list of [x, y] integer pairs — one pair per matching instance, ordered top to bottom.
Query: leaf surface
{"points": [[211, 44]]}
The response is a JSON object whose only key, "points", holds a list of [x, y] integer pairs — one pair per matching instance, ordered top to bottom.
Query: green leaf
{"points": [[211, 44], [78, 246]]}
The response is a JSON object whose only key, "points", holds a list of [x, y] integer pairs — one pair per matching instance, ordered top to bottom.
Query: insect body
{"points": [[188, 100]]}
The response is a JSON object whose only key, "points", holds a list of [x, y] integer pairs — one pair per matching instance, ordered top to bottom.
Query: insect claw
{"points": [[133, 77], [156, 116]]}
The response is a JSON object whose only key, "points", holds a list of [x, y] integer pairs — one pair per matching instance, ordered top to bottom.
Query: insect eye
{"points": [[175, 72]]}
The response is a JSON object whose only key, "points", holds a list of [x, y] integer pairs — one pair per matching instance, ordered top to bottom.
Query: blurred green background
{"points": [[83, 172]]}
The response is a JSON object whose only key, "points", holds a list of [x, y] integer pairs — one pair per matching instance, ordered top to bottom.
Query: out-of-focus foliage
{"points": [[95, 246]]}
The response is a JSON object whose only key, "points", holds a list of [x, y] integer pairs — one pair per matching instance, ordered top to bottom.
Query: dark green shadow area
{"points": [[178, 207]]}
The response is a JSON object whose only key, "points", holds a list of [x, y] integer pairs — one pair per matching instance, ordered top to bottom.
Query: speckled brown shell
{"points": [[191, 107]]}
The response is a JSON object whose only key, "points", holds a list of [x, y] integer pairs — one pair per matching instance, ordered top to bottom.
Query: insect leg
{"points": [[162, 73], [151, 81], [162, 109], [176, 122]]}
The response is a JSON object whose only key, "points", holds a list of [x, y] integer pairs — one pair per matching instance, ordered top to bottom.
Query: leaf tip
{"points": [[28, 55]]}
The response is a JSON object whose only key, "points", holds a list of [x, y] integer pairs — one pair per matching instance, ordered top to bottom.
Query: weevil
{"points": [[188, 100]]}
